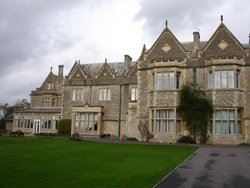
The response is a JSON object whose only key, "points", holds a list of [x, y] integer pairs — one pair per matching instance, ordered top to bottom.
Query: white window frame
{"points": [[224, 79], [167, 80], [104, 94], [77, 95], [163, 121], [226, 122]]}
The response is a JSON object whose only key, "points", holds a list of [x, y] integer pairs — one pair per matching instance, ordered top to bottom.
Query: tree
{"points": [[8, 110], [196, 110], [143, 129]]}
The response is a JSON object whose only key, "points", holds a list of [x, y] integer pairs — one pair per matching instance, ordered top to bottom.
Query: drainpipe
{"points": [[194, 74], [90, 95], [120, 109]]}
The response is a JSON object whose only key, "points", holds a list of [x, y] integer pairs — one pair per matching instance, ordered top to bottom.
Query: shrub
{"points": [[64, 126], [186, 139]]}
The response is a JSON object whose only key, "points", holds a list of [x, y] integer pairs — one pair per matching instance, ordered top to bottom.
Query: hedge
{"points": [[64, 126]]}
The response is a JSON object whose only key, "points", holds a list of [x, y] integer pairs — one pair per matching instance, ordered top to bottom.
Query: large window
{"points": [[224, 79], [167, 80], [104, 94], [77, 95], [163, 120], [87, 122], [226, 122]]}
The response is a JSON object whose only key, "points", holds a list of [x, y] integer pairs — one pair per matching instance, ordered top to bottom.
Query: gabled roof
{"points": [[223, 44], [166, 47], [133, 71], [77, 72], [105, 72], [49, 79]]}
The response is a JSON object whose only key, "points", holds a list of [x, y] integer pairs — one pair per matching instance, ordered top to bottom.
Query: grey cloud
{"points": [[178, 13], [191, 15], [29, 28]]}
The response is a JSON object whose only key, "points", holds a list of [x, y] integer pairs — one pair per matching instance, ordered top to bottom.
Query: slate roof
{"points": [[118, 68]]}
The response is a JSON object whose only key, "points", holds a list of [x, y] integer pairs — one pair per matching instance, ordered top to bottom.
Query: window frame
{"points": [[223, 79], [167, 80], [104, 94], [134, 94], [77, 95], [164, 121], [226, 122]]}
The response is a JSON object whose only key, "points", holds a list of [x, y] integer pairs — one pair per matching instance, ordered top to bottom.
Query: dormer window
{"points": [[51, 86], [46, 102]]}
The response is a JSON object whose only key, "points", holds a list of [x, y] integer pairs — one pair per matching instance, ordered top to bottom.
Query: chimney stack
{"points": [[249, 39], [196, 41], [127, 60], [60, 70]]}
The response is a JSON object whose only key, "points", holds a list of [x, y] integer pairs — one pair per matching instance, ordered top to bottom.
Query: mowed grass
{"points": [[58, 162]]}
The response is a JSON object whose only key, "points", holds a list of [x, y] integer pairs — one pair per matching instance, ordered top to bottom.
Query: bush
{"points": [[64, 127], [186, 139]]}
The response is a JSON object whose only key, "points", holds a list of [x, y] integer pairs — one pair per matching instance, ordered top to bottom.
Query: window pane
{"points": [[217, 79], [223, 79], [230, 79], [171, 80], [74, 95], [108, 95], [158, 114], [164, 114], [171, 114], [231, 114], [218, 115], [224, 115], [158, 124], [164, 126], [171, 126], [217, 127], [232, 127]]}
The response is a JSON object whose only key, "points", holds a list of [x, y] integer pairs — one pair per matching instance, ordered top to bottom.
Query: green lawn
{"points": [[57, 162]]}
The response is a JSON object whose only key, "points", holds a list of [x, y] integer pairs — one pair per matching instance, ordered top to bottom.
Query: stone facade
{"points": [[112, 98]]}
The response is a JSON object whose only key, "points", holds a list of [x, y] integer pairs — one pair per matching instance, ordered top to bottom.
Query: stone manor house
{"points": [[111, 98]]}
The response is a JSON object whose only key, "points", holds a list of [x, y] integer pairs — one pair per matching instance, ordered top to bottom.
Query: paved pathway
{"points": [[213, 166]]}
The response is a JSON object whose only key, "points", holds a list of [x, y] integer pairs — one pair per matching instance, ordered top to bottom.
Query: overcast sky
{"points": [[38, 34]]}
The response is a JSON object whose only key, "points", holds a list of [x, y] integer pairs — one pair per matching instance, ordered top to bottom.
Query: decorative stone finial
{"points": [[221, 18], [166, 23], [106, 60], [79, 61], [51, 68]]}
